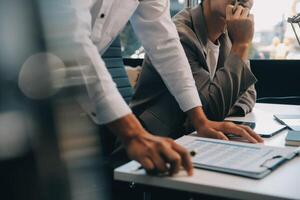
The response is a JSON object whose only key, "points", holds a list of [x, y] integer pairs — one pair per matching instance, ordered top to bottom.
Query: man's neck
{"points": [[215, 24]]}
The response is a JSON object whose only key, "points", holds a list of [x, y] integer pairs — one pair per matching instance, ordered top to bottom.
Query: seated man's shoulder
{"points": [[183, 18], [184, 25]]}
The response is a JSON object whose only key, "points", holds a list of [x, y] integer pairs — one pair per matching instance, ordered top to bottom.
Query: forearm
{"points": [[241, 50], [221, 93], [246, 102], [197, 117]]}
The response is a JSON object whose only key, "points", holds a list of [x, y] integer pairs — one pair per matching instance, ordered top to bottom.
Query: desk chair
{"points": [[114, 63]]}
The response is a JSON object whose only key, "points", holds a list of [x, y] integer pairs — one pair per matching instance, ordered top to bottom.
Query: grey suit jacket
{"points": [[230, 92]]}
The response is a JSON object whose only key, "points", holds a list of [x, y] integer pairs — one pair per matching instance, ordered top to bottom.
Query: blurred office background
{"points": [[274, 37], [49, 148], [30, 159]]}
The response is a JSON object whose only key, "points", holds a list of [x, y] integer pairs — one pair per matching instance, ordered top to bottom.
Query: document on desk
{"points": [[249, 160]]}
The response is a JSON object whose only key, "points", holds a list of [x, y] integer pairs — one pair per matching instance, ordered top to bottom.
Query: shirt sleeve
{"points": [[153, 25], [68, 33]]}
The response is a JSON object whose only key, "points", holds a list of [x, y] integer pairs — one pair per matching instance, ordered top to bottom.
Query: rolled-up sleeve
{"points": [[153, 25], [68, 33]]}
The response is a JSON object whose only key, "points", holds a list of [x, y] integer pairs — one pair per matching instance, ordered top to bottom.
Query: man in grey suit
{"points": [[215, 36]]}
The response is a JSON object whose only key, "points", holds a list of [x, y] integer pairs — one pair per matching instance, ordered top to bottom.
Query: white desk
{"points": [[283, 183]]}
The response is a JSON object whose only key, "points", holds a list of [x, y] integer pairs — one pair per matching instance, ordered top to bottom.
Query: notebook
{"points": [[291, 121], [263, 123], [293, 138], [249, 160]]}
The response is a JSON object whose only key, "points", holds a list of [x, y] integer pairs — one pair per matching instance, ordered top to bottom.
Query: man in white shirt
{"points": [[92, 26]]}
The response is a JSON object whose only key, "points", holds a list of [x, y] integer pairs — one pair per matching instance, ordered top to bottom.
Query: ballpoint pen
{"points": [[193, 153]]}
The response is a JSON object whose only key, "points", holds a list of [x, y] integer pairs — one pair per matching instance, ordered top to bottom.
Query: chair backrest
{"points": [[115, 65]]}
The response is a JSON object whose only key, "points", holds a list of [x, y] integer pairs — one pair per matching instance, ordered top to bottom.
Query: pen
{"points": [[193, 153]]}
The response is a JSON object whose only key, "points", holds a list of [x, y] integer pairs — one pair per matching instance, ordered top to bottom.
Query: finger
{"points": [[238, 11], [229, 12], [245, 13], [237, 130], [212, 133], [244, 134], [253, 134], [222, 136], [247, 136], [173, 158], [185, 158], [158, 161], [147, 164]]}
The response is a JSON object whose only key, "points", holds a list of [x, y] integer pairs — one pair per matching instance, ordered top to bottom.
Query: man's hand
{"points": [[240, 26], [211, 129], [152, 152], [159, 154]]}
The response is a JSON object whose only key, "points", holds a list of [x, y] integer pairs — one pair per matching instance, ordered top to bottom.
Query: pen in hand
{"points": [[193, 153]]}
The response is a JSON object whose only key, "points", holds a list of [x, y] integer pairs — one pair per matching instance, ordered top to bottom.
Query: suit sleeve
{"points": [[229, 84], [245, 104]]}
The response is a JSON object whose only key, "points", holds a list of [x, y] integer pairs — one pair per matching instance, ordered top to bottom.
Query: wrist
{"points": [[240, 47], [241, 50], [197, 117], [127, 128]]}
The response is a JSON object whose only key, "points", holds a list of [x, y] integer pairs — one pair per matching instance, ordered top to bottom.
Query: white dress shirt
{"points": [[94, 25], [212, 51]]}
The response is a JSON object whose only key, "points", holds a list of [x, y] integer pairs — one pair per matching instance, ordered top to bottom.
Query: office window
{"points": [[274, 37], [131, 47]]}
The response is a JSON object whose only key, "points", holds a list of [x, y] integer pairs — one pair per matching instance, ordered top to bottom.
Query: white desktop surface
{"points": [[283, 183]]}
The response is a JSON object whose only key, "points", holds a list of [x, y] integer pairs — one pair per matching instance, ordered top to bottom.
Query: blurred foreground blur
{"points": [[49, 149]]}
